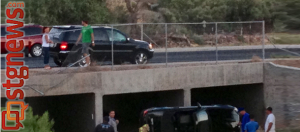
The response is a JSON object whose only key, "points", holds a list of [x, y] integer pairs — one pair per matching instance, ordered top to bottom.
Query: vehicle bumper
{"points": [[151, 53], [62, 55]]}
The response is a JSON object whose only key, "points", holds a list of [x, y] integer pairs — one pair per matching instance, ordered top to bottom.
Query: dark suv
{"points": [[64, 51], [213, 118]]}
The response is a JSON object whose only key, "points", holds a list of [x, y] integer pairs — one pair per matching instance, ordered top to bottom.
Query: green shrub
{"points": [[198, 39], [34, 123]]}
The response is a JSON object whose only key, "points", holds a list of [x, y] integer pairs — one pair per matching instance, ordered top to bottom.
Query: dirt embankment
{"points": [[292, 63]]}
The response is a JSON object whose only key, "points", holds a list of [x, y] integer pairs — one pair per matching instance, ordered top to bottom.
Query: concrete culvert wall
{"points": [[282, 93], [248, 96], [129, 106], [71, 113]]}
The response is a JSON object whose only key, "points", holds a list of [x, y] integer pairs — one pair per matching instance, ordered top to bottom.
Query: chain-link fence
{"points": [[200, 42], [165, 43]]}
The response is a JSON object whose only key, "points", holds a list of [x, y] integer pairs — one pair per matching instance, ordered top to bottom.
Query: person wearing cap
{"points": [[245, 118], [270, 122], [251, 126], [104, 127]]}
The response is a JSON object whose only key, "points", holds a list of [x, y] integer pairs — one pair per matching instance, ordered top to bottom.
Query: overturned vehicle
{"points": [[212, 118]]}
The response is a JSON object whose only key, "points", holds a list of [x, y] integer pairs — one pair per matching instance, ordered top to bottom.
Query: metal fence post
{"points": [[142, 31], [166, 32], [216, 33], [263, 40], [112, 48]]}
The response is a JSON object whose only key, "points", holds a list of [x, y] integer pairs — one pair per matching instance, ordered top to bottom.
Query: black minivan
{"points": [[107, 40], [213, 118]]}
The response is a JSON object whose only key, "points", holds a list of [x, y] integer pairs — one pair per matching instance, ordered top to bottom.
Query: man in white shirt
{"points": [[270, 122]]}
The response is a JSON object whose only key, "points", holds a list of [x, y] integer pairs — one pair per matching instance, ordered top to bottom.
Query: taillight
{"points": [[63, 45], [145, 112]]}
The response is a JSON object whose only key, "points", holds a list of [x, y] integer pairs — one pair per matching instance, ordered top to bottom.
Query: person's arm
{"points": [[92, 36], [47, 39], [78, 39], [93, 43], [270, 126], [245, 129]]}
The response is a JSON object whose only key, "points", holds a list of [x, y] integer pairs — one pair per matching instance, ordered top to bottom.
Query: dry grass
{"points": [[284, 38], [292, 63]]}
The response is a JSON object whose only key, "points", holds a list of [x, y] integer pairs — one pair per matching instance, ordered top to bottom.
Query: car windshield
{"points": [[223, 119]]}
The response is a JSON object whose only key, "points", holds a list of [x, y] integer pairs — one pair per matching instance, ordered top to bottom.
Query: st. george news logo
{"points": [[16, 71]]}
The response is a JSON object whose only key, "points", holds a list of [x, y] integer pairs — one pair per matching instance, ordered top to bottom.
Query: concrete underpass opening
{"points": [[251, 97], [128, 107], [71, 113]]}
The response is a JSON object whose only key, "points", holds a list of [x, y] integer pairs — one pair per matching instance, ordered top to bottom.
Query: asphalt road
{"points": [[186, 56]]}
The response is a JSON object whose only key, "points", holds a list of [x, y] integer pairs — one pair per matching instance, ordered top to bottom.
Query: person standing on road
{"points": [[87, 35], [46, 46], [245, 118], [112, 121], [270, 122], [251, 126], [104, 127]]}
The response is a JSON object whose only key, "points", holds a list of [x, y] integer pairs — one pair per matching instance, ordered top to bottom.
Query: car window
{"points": [[3, 31], [29, 31], [33, 31], [55, 33], [72, 35], [100, 35], [117, 36], [226, 119]]}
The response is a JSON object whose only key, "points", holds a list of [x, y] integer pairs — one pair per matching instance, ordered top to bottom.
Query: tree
{"points": [[56, 12], [34, 123]]}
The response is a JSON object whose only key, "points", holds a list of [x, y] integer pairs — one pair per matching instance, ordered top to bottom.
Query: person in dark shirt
{"points": [[104, 127]]}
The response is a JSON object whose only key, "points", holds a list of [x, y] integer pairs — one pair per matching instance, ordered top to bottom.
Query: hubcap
{"points": [[37, 51], [140, 58], [82, 62]]}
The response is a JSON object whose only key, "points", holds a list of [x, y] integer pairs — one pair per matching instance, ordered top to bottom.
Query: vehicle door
{"points": [[102, 46], [121, 46], [201, 121]]}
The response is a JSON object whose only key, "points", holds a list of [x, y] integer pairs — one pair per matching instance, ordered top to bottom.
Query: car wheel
{"points": [[36, 50], [140, 57], [57, 61], [82, 62]]}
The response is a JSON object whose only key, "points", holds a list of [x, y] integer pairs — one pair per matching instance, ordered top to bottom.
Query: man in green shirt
{"points": [[87, 35]]}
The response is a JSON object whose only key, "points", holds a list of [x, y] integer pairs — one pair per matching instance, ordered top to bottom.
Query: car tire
{"points": [[36, 50], [140, 57], [57, 61], [82, 62]]}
